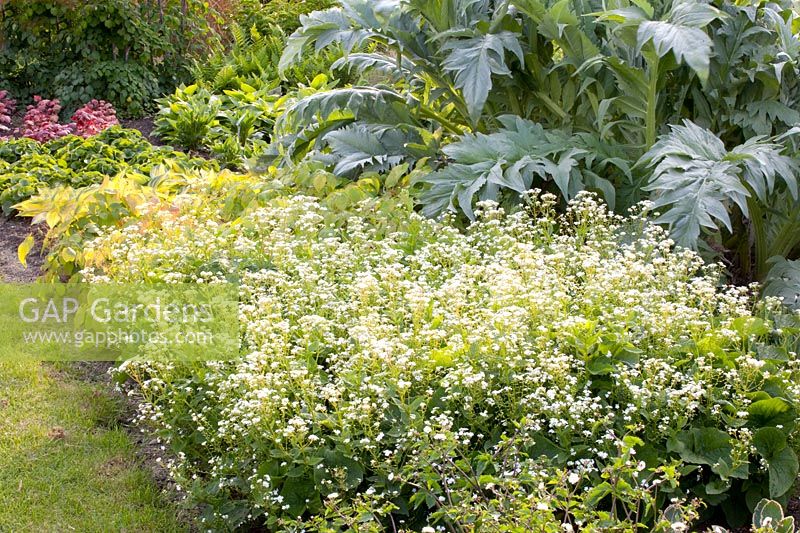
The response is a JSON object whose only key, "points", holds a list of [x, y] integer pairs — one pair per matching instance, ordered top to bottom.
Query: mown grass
{"points": [[65, 465]]}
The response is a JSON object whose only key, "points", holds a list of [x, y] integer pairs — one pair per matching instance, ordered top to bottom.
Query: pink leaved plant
{"points": [[7, 107], [94, 117], [40, 122]]}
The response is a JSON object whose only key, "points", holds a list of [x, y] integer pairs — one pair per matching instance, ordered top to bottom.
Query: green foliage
{"points": [[285, 14], [122, 51], [252, 58], [610, 82], [231, 108], [187, 117], [235, 125], [517, 158], [78, 162], [703, 184]]}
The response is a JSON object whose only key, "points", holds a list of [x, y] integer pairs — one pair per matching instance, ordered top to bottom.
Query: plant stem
{"points": [[652, 104], [450, 126], [759, 236], [788, 237]]}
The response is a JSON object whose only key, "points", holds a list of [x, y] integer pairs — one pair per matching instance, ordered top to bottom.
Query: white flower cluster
{"points": [[571, 330]]}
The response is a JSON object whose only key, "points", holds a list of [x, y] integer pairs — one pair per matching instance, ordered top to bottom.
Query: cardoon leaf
{"points": [[323, 28], [680, 34], [691, 45], [473, 62], [376, 104], [371, 147], [511, 159], [699, 180], [783, 281]]}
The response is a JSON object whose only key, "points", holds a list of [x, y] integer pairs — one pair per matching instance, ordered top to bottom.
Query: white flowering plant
{"points": [[400, 372]]}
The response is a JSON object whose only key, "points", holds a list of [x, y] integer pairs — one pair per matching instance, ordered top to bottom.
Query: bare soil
{"points": [[145, 125], [12, 232]]}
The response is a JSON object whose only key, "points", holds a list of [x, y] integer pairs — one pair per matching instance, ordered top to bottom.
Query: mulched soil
{"points": [[145, 125], [12, 232]]}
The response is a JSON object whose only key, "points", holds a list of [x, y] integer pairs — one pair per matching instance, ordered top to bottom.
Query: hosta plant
{"points": [[186, 118], [76, 162], [386, 354]]}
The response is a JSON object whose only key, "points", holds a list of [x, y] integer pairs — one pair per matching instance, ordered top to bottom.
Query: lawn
{"points": [[66, 462]]}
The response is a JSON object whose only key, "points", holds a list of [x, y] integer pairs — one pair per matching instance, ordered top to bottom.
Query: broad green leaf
{"points": [[751, 326], [770, 411], [769, 441], [705, 446], [783, 469]]}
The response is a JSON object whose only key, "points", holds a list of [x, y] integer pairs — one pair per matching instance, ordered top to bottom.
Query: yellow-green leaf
{"points": [[24, 249]]}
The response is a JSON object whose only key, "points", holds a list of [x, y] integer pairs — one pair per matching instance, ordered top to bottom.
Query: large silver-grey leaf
{"points": [[349, 25], [323, 28], [682, 34], [474, 61], [376, 62], [375, 104], [367, 147], [510, 159], [762, 162], [698, 180], [697, 193], [783, 281]]}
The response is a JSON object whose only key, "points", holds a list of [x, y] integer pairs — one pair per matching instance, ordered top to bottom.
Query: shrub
{"points": [[285, 14], [122, 51], [253, 57], [40, 122], [74, 214], [385, 356]]}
